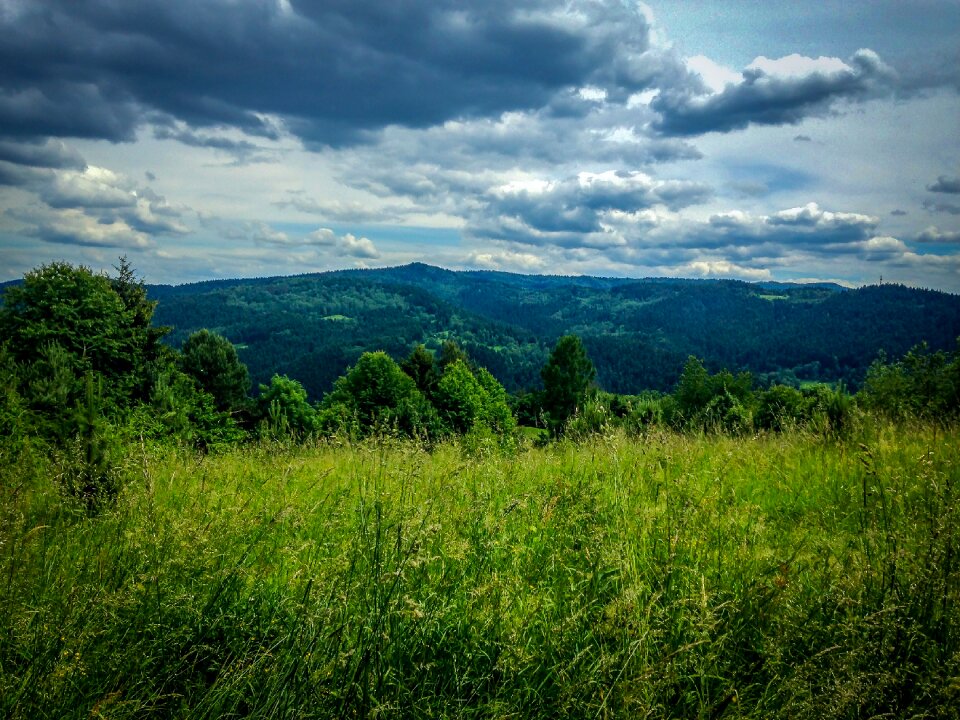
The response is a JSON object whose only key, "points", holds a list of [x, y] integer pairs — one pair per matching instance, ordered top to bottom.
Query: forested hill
{"points": [[638, 332]]}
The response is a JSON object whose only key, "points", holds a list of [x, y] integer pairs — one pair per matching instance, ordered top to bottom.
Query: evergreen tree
{"points": [[212, 361], [421, 366], [567, 377]]}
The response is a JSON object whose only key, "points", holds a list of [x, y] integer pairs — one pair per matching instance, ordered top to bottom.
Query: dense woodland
{"points": [[637, 333], [86, 363]]}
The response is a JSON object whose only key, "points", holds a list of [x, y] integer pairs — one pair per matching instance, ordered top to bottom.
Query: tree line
{"points": [[83, 368]]}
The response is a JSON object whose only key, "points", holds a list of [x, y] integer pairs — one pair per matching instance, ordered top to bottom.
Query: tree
{"points": [[75, 309], [64, 322], [143, 349], [451, 352], [212, 361], [421, 366], [567, 377], [376, 396], [460, 399], [720, 401], [284, 409]]}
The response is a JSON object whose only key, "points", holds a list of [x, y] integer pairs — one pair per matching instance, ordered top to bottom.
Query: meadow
{"points": [[667, 575]]}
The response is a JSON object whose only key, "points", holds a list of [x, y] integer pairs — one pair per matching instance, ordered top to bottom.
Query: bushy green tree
{"points": [[65, 323], [100, 325], [142, 351], [451, 352], [212, 361], [567, 378], [922, 384], [375, 396], [459, 398], [712, 402], [781, 408], [284, 410], [497, 414]]}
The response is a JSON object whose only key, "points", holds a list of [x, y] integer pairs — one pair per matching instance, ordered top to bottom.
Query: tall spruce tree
{"points": [[567, 378]]}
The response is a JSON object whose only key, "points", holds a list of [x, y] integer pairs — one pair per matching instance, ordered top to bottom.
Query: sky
{"points": [[207, 139]]}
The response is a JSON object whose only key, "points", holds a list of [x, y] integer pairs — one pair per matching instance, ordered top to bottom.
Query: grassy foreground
{"points": [[780, 576]]}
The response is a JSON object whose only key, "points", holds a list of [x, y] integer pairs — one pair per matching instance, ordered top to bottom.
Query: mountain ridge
{"points": [[639, 332]]}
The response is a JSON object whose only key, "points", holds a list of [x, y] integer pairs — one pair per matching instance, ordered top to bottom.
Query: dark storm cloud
{"points": [[333, 70], [762, 98], [48, 153], [945, 184]]}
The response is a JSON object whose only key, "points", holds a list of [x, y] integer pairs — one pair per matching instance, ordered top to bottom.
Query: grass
{"points": [[671, 576]]}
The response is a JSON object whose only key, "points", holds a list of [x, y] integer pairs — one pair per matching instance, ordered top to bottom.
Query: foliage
{"points": [[79, 322], [638, 333], [212, 361], [421, 366], [567, 377], [922, 384], [378, 398], [459, 398], [471, 401], [713, 402], [781, 408], [284, 410], [88, 465]]}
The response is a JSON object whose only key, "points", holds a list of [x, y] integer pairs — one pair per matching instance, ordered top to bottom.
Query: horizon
{"points": [[212, 140], [626, 278]]}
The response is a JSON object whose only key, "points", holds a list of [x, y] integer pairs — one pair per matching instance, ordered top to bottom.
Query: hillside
{"points": [[638, 332]]}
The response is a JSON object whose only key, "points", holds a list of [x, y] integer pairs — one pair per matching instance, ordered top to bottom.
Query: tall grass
{"points": [[673, 576]]}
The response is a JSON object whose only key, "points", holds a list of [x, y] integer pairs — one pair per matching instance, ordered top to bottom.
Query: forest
{"points": [[639, 333], [448, 514]]}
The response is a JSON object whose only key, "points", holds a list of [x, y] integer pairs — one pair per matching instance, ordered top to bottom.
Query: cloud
{"points": [[333, 72], [715, 76], [775, 92], [242, 150], [46, 153], [945, 184], [94, 187], [941, 207], [342, 211], [577, 211], [122, 212], [73, 227], [260, 232], [933, 234], [324, 237], [320, 241], [358, 247], [501, 259], [722, 269]]}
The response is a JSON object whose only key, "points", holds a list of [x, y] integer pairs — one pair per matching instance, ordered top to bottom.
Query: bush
{"points": [[781, 408], [284, 410]]}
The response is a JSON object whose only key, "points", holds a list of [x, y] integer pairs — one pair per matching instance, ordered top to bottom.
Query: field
{"points": [[665, 576]]}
